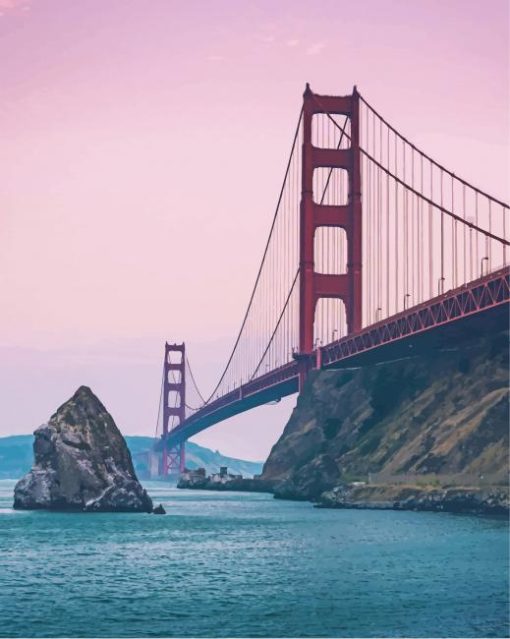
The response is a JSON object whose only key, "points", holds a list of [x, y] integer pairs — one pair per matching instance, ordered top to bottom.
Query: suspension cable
{"points": [[439, 166], [411, 189], [440, 208], [257, 279], [277, 325], [193, 380], [160, 402]]}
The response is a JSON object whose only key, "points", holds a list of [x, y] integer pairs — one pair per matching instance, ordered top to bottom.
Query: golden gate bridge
{"points": [[375, 251]]}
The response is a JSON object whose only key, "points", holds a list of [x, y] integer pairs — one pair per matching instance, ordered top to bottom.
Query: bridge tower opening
{"points": [[313, 215], [174, 407]]}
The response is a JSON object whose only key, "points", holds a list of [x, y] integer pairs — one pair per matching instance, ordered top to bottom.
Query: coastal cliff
{"points": [[428, 432], [81, 463]]}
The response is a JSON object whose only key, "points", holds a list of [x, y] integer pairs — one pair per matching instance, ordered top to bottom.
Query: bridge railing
{"points": [[484, 293]]}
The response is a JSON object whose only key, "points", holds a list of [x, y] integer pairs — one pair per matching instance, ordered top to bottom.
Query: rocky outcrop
{"points": [[441, 416], [81, 463], [493, 501], [159, 510]]}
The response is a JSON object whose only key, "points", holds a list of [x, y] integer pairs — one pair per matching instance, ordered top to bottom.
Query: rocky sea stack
{"points": [[81, 463]]}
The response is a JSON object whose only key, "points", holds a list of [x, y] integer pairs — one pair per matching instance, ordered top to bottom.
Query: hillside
{"points": [[433, 420], [16, 457]]}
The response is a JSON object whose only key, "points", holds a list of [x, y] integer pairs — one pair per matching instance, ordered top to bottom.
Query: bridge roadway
{"points": [[480, 306]]}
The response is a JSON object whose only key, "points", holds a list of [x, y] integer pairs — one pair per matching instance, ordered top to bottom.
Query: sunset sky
{"points": [[143, 145]]}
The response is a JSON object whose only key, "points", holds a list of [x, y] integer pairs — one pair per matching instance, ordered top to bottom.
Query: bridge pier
{"points": [[305, 364]]}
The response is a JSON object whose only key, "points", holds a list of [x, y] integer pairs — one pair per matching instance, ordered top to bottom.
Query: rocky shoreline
{"points": [[359, 495], [469, 500]]}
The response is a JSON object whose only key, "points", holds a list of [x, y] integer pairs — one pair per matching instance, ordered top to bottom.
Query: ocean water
{"points": [[241, 565]]}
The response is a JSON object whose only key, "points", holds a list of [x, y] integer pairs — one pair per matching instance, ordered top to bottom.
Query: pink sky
{"points": [[143, 147]]}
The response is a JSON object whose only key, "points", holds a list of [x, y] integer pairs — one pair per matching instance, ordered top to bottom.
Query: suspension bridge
{"points": [[376, 251]]}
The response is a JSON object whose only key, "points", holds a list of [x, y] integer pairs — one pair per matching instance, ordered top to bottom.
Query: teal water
{"points": [[231, 564]]}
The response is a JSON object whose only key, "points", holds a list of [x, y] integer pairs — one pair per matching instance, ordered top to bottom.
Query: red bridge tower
{"points": [[313, 285], [173, 382]]}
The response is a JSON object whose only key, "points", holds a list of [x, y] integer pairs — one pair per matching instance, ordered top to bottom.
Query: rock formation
{"points": [[438, 419], [81, 463], [476, 500], [159, 510]]}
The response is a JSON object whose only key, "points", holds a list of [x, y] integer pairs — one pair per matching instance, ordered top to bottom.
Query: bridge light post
{"points": [[470, 220], [484, 259], [440, 285], [406, 296], [378, 313], [335, 330], [318, 358]]}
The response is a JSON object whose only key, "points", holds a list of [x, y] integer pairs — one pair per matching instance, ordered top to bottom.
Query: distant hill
{"points": [[16, 457]]}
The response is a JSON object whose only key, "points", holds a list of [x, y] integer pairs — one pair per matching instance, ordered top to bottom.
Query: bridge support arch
{"points": [[313, 285], [174, 381]]}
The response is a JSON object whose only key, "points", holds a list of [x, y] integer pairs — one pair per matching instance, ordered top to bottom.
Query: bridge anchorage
{"points": [[375, 250]]}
